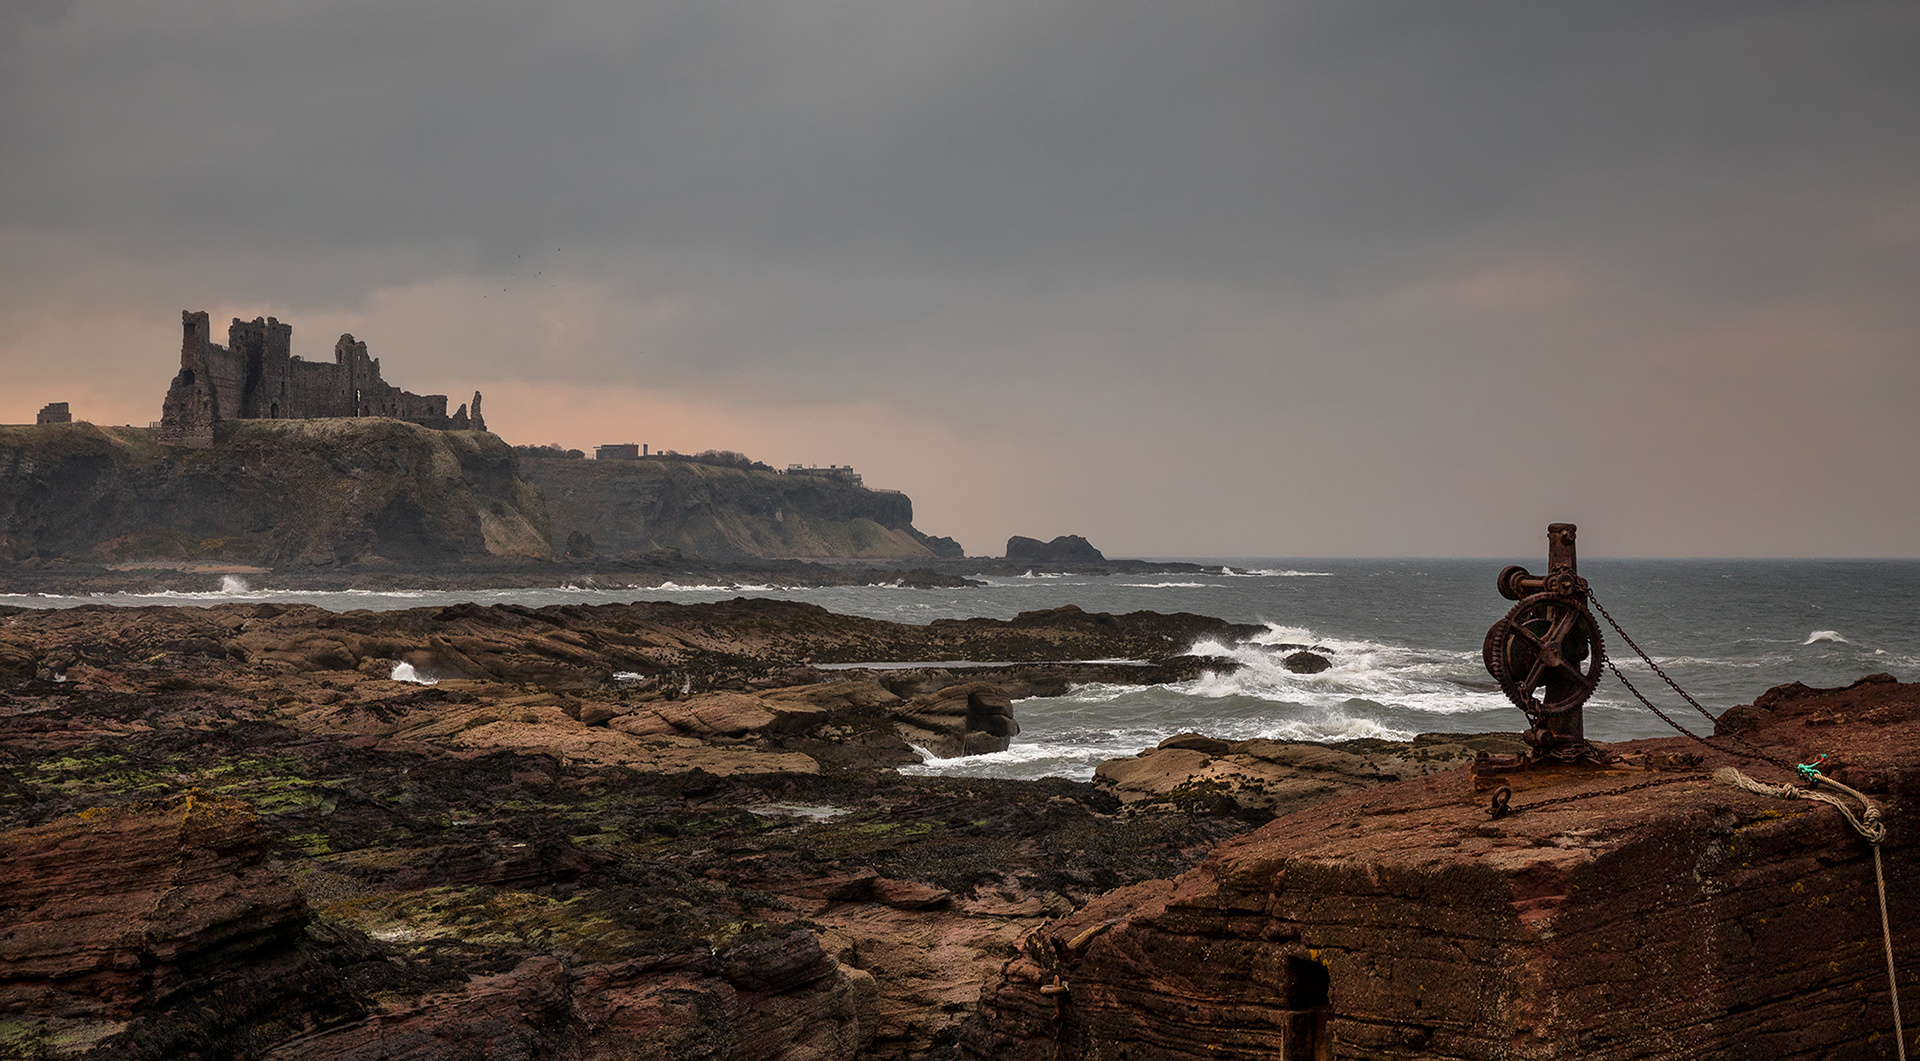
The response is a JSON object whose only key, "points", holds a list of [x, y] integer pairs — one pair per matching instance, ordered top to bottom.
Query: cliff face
{"points": [[270, 492], [284, 493], [720, 513]]}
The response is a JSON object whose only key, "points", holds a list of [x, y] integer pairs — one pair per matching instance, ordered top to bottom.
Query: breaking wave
{"points": [[1825, 635], [404, 672], [1425, 681]]}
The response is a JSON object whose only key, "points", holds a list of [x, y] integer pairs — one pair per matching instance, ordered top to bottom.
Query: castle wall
{"points": [[226, 375], [313, 390]]}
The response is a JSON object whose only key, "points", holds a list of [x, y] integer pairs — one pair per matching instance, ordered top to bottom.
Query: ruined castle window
{"points": [[273, 411]]}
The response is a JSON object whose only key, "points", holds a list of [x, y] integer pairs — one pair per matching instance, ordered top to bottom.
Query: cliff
{"points": [[270, 492], [720, 513]]}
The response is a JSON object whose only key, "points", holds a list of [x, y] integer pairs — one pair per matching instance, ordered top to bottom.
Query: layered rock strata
{"points": [[119, 908], [1664, 916]]}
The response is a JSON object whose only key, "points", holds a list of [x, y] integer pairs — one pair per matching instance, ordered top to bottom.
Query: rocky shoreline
{"points": [[78, 578], [656, 823], [647, 830]]}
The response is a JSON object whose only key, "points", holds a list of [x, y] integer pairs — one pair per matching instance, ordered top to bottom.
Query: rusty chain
{"points": [[1751, 752]]}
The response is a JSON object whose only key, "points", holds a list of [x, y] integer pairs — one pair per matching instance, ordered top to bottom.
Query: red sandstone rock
{"points": [[118, 908], [1683, 920], [782, 999]]}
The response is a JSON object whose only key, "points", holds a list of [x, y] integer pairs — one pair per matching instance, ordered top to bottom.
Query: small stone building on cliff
{"points": [[256, 377]]}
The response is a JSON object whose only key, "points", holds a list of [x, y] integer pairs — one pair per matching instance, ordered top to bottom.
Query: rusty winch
{"points": [[1546, 653]]}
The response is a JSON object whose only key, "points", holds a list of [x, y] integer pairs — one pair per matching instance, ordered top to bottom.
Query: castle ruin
{"points": [[255, 377]]}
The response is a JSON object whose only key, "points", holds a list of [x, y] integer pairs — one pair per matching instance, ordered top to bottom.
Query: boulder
{"points": [[1306, 662], [971, 719]]}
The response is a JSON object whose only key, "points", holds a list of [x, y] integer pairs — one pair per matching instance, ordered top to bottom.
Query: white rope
{"points": [[1867, 824]]}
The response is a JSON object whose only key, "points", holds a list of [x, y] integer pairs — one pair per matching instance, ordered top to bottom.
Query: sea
{"points": [[1404, 637]]}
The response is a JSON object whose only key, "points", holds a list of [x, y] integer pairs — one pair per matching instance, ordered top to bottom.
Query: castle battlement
{"points": [[256, 377]]}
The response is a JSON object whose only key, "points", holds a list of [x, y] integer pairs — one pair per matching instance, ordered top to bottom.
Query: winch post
{"points": [[1563, 575]]}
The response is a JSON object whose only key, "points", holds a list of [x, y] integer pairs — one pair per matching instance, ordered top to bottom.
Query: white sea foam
{"points": [[1171, 585], [233, 587], [163, 594], [1825, 635], [1210, 648], [1633, 663], [404, 672], [1372, 672], [1373, 690], [1057, 748], [1029, 759]]}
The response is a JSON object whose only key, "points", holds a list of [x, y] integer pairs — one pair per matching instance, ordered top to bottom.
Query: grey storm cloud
{"points": [[1402, 243]]}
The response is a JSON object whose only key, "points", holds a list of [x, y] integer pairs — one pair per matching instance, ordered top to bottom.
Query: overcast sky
{"points": [[1185, 277]]}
